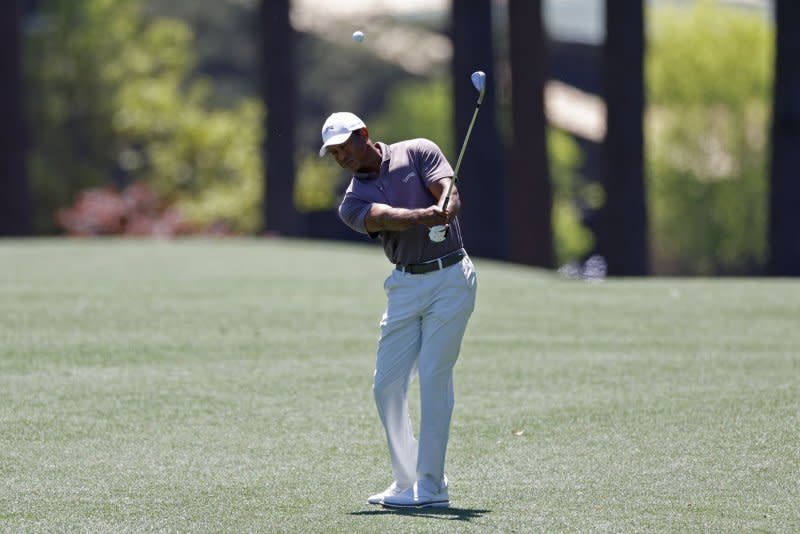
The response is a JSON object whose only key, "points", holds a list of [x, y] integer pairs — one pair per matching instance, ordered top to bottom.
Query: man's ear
{"points": [[363, 132]]}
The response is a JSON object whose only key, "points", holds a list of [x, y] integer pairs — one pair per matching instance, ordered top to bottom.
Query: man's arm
{"points": [[383, 217]]}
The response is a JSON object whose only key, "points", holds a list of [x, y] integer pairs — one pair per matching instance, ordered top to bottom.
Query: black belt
{"points": [[433, 265]]}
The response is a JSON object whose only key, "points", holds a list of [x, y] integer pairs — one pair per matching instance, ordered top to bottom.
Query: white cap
{"points": [[337, 129]]}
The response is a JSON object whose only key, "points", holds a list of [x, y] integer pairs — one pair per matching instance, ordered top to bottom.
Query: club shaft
{"points": [[461, 154]]}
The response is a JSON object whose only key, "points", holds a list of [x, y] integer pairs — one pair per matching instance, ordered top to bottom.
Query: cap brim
{"points": [[335, 140]]}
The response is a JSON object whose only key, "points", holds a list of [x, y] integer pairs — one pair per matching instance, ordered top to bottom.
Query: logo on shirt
{"points": [[408, 177]]}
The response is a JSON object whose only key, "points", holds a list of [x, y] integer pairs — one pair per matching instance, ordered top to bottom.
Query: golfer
{"points": [[396, 194]]}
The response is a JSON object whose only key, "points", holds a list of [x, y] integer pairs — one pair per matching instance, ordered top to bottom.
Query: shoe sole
{"points": [[431, 504]]}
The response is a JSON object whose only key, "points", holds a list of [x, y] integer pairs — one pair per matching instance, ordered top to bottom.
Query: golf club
{"points": [[479, 81], [438, 233]]}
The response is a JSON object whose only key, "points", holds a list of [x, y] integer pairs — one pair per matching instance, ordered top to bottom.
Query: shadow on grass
{"points": [[452, 514]]}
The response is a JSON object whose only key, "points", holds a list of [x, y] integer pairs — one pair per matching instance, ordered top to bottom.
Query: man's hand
{"points": [[439, 189], [434, 216]]}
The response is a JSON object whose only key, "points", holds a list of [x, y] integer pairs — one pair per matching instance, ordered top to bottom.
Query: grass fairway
{"points": [[224, 386]]}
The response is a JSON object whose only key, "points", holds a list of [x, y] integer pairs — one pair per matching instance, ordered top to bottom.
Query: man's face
{"points": [[352, 153]]}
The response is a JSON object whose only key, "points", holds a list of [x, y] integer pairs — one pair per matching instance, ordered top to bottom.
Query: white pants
{"points": [[421, 331]]}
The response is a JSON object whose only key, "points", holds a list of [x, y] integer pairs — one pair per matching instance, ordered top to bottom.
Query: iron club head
{"points": [[479, 80]]}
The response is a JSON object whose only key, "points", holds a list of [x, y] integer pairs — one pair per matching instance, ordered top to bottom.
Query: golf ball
{"points": [[358, 36]]}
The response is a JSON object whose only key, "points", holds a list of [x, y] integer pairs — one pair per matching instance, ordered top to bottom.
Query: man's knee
{"points": [[383, 388]]}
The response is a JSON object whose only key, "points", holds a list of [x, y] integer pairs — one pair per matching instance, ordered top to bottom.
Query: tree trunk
{"points": [[280, 90], [482, 173], [784, 198], [15, 203], [530, 203], [622, 229]]}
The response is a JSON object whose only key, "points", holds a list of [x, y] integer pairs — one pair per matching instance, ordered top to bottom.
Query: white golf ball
{"points": [[358, 36]]}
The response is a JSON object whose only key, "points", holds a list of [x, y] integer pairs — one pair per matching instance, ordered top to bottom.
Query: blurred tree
{"points": [[225, 43], [227, 47], [708, 80], [280, 90], [110, 102], [417, 109], [483, 170], [530, 196], [784, 198], [15, 207], [622, 237], [573, 241]]}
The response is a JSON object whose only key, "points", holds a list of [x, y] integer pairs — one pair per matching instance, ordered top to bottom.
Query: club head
{"points": [[479, 80]]}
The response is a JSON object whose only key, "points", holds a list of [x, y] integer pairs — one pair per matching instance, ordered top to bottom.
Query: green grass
{"points": [[224, 386]]}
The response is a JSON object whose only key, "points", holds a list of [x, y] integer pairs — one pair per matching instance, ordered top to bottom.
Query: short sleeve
{"points": [[430, 162], [353, 212]]}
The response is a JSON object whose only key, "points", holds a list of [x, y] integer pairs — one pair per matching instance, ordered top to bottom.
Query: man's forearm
{"points": [[382, 217]]}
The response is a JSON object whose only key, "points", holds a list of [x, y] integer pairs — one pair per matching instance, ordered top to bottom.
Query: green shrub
{"points": [[708, 83], [111, 103], [318, 180], [572, 240]]}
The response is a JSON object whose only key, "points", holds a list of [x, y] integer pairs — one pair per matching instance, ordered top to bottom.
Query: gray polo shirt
{"points": [[406, 170]]}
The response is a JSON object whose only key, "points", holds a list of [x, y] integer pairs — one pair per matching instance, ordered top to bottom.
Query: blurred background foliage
{"points": [[167, 94], [115, 103], [418, 109], [706, 135], [572, 196]]}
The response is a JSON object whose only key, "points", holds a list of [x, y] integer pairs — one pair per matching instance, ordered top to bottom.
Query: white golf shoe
{"points": [[391, 491], [422, 495]]}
